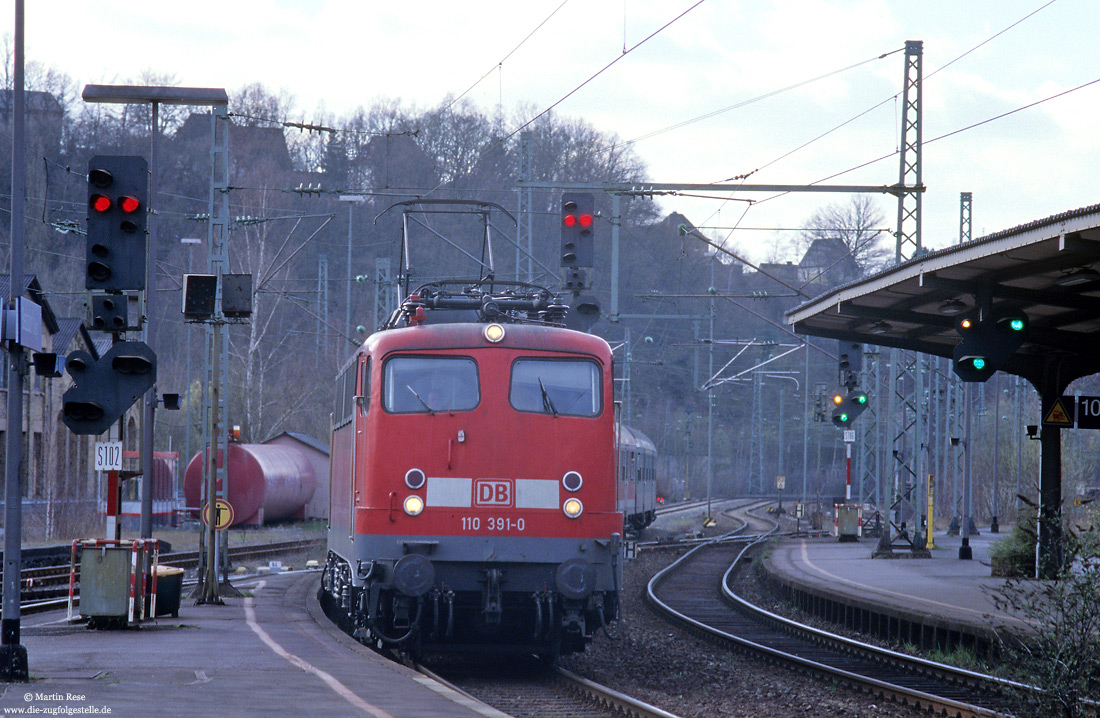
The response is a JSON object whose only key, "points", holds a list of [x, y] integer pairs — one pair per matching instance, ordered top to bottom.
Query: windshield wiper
{"points": [[420, 399], [546, 402]]}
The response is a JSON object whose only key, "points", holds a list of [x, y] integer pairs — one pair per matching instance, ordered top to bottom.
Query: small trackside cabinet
{"points": [[848, 522]]}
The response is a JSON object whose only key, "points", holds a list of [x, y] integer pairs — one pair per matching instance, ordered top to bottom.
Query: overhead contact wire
{"points": [[603, 69]]}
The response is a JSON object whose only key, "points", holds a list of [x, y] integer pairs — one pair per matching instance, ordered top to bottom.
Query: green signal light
{"points": [[1016, 325], [978, 363], [861, 399], [843, 418]]}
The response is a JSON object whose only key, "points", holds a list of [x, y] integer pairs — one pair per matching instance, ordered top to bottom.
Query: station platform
{"points": [[940, 601], [271, 653]]}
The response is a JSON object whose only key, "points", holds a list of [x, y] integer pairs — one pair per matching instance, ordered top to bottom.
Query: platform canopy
{"points": [[1049, 268]]}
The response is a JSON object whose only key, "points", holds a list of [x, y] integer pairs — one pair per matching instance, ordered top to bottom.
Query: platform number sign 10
{"points": [[1088, 412], [108, 456]]}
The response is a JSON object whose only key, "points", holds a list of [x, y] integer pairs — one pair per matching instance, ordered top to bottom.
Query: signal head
{"points": [[100, 177], [99, 203], [129, 204], [576, 229], [116, 242], [1012, 322]]}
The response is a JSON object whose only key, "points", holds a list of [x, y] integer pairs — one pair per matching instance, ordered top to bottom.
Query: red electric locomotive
{"points": [[473, 486]]}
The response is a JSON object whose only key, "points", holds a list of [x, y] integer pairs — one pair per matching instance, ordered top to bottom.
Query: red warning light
{"points": [[100, 203], [129, 204], [571, 219], [585, 220]]}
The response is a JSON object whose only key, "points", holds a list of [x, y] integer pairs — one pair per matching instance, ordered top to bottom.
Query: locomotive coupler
{"points": [[449, 597], [492, 607], [361, 610], [538, 614], [402, 615], [572, 619]]}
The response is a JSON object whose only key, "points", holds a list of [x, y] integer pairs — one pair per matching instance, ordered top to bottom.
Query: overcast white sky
{"points": [[339, 55]]}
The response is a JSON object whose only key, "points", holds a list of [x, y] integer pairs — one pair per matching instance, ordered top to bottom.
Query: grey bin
{"points": [[848, 528], [105, 581], [169, 590]]}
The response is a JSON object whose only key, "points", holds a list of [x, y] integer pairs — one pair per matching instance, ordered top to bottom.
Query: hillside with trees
{"points": [[695, 322]]}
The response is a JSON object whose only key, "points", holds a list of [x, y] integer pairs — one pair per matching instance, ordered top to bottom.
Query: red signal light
{"points": [[100, 203], [129, 204], [569, 220], [585, 220]]}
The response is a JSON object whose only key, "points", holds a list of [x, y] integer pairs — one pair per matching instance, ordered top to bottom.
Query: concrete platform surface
{"points": [[942, 588], [272, 653]]}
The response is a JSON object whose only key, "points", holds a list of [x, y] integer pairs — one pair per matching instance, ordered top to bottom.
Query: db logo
{"points": [[492, 492]]}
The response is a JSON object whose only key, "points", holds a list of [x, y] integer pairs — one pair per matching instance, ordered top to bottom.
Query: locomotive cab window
{"points": [[430, 384], [569, 387], [344, 409]]}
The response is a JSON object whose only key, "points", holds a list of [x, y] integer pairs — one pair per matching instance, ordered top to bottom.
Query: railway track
{"points": [[679, 507], [42, 585], [694, 592], [520, 689]]}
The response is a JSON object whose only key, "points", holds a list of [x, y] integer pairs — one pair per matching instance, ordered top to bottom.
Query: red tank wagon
{"points": [[266, 483], [473, 487]]}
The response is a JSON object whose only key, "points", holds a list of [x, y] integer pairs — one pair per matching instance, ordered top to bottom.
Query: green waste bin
{"points": [[105, 576]]}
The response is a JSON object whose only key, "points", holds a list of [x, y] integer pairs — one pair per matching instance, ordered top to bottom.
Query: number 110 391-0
{"points": [[493, 523]]}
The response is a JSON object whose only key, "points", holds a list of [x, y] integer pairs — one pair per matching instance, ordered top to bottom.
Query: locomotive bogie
{"points": [[401, 593]]}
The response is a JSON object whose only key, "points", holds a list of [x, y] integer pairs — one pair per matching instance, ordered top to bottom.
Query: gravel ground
{"points": [[660, 664]]}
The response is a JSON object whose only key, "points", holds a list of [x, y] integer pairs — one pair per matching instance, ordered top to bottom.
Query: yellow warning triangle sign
{"points": [[1058, 416]]}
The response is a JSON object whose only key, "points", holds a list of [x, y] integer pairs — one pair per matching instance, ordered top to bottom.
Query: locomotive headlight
{"points": [[494, 333], [414, 479], [413, 505], [572, 507]]}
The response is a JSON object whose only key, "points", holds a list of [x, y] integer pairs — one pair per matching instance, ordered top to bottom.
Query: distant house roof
{"points": [[34, 101], [246, 140], [830, 257], [33, 289], [67, 328], [102, 344], [303, 438]]}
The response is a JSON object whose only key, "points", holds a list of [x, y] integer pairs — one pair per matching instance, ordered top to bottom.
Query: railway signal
{"points": [[118, 187], [577, 218], [988, 343], [850, 362], [105, 388], [848, 407]]}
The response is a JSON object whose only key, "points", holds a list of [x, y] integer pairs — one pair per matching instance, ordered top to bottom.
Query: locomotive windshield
{"points": [[430, 384], [569, 387]]}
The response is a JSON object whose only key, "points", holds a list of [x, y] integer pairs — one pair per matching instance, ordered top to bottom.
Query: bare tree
{"points": [[858, 224]]}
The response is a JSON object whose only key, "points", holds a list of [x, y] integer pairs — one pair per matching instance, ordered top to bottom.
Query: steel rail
{"points": [[837, 644], [615, 702]]}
